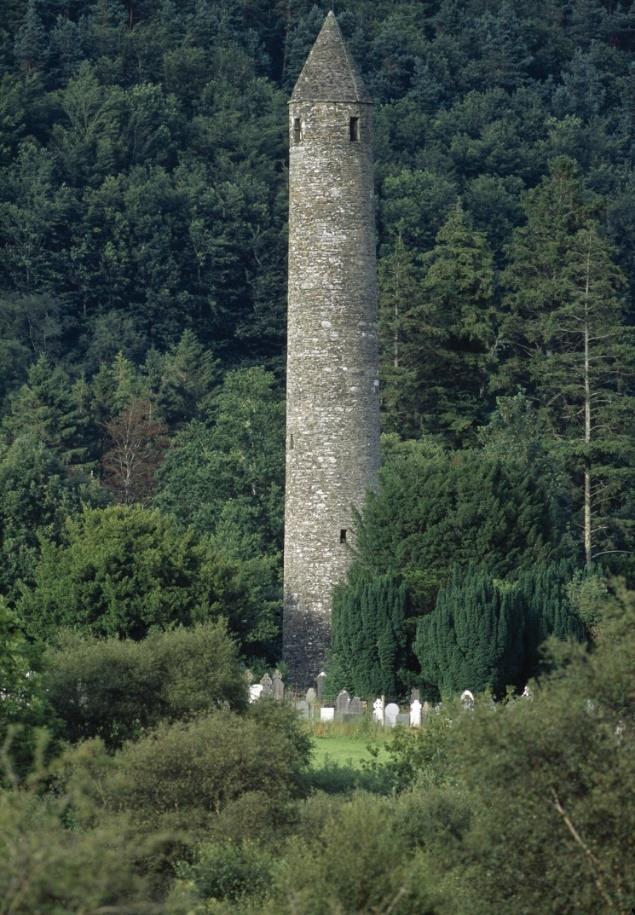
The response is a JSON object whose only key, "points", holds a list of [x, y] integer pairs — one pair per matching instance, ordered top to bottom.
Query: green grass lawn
{"points": [[345, 750]]}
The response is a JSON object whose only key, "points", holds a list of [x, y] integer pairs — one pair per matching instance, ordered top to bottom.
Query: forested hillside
{"points": [[143, 200]]}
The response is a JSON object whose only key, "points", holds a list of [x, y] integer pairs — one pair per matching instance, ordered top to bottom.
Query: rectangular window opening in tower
{"points": [[354, 129], [297, 130], [291, 442], [343, 535]]}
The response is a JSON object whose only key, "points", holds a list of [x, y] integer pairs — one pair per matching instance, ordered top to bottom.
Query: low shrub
{"points": [[116, 689]]}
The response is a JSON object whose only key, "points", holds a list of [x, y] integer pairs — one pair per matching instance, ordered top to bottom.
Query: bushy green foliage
{"points": [[228, 473], [36, 496], [435, 509], [125, 570], [545, 594], [486, 634], [473, 639], [368, 647], [116, 689], [23, 706], [184, 774], [549, 784], [353, 863], [47, 867], [224, 871]]}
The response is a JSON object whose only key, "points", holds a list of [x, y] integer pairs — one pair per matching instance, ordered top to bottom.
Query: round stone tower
{"points": [[332, 364]]}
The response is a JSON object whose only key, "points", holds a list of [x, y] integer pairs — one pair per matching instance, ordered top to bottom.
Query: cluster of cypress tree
{"points": [[484, 633], [368, 637]]}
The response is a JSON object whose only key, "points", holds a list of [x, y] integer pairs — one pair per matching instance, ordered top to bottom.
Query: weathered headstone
{"points": [[320, 681], [267, 686], [277, 686], [255, 691], [311, 697], [467, 699], [342, 703], [302, 707], [356, 707], [378, 710], [425, 711], [327, 713], [390, 714], [415, 714]]}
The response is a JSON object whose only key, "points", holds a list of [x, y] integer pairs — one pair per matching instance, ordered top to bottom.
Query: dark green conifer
{"points": [[30, 41], [368, 635]]}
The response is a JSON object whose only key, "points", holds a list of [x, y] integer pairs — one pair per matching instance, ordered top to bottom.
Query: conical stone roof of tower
{"points": [[329, 74]]}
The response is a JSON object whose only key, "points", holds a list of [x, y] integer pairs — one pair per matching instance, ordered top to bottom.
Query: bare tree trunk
{"points": [[588, 547]]}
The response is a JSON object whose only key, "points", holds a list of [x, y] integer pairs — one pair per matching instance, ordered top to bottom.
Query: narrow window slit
{"points": [[354, 129], [297, 130], [291, 442], [343, 535]]}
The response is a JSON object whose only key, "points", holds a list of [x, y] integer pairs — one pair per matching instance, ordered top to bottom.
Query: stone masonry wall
{"points": [[332, 366]]}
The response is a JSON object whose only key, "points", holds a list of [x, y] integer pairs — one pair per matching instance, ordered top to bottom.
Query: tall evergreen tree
{"points": [[30, 41], [437, 327], [571, 349], [485, 633], [368, 651]]}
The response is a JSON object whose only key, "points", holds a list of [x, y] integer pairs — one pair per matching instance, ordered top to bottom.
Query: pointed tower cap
{"points": [[329, 74]]}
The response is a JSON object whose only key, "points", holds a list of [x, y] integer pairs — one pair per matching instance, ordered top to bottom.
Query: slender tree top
{"points": [[329, 74]]}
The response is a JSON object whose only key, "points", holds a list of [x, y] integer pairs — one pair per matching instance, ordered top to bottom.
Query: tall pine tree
{"points": [[570, 348]]}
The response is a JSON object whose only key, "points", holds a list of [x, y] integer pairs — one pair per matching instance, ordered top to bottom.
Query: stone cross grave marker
{"points": [[267, 686], [378, 710]]}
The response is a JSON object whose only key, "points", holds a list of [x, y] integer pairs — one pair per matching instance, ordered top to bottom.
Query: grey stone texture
{"points": [[332, 455], [342, 703], [356, 707]]}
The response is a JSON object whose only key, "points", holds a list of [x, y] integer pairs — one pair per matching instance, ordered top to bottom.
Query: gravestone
{"points": [[321, 684], [267, 686], [277, 686], [255, 691], [415, 696], [311, 697], [467, 699], [342, 703], [302, 707], [356, 707], [378, 710], [425, 711], [327, 713], [391, 713], [415, 714]]}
